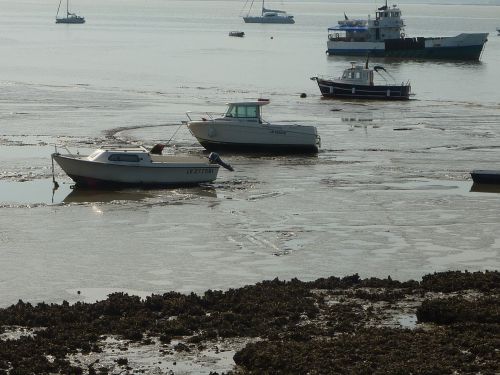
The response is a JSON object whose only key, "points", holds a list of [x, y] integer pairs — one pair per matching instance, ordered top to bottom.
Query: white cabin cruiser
{"points": [[242, 128], [136, 166]]}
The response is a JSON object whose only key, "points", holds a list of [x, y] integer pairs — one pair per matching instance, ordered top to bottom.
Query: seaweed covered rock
{"points": [[331, 325]]}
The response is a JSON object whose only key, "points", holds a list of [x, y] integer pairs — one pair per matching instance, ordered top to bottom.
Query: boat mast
{"points": [[59, 7], [262, 7], [67, 8]]}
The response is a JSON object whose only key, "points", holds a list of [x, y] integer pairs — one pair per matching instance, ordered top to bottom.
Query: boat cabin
{"points": [[386, 25], [357, 75], [246, 111], [120, 154]]}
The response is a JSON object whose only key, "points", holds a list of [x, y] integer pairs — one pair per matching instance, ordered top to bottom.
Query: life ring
{"points": [[375, 23]]}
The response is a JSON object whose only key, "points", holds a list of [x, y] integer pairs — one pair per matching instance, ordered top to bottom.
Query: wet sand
{"points": [[377, 200]]}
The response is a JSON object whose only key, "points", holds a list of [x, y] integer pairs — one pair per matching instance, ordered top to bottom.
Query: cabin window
{"points": [[358, 75], [242, 112], [251, 112], [124, 157]]}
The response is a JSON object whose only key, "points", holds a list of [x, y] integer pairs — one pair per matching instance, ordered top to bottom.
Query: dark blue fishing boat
{"points": [[357, 82], [486, 176]]}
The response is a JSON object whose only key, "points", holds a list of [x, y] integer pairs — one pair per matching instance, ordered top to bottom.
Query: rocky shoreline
{"points": [[447, 323]]}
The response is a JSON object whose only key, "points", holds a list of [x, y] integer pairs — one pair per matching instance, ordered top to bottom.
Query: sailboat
{"points": [[269, 16], [70, 17]]}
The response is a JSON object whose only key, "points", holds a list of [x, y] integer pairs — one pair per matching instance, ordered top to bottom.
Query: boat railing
{"points": [[323, 78], [204, 116], [64, 147]]}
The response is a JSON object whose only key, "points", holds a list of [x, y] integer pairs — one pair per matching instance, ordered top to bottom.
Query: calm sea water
{"points": [[389, 193]]}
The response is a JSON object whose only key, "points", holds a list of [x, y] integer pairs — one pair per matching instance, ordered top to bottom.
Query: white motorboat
{"points": [[268, 16], [71, 18], [242, 128], [136, 166]]}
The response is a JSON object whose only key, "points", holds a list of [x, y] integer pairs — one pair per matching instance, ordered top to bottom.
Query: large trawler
{"points": [[384, 36]]}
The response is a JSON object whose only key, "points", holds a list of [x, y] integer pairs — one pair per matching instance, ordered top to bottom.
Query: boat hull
{"points": [[257, 19], [72, 20], [460, 47], [332, 89], [253, 137], [258, 148], [98, 174], [486, 177]]}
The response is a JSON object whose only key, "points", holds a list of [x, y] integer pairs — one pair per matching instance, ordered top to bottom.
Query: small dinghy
{"points": [[239, 34], [357, 82], [136, 166]]}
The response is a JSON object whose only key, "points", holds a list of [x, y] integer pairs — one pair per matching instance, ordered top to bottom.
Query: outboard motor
{"points": [[157, 149], [215, 158]]}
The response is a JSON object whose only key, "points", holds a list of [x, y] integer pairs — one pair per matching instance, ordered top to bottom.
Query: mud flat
{"points": [[447, 323]]}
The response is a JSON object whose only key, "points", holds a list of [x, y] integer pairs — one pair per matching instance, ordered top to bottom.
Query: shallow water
{"points": [[389, 193]]}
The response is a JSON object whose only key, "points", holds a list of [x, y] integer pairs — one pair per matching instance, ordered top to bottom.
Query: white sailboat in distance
{"points": [[268, 16], [70, 17]]}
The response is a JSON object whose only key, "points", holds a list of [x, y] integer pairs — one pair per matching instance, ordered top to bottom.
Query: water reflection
{"points": [[485, 188], [43, 191], [82, 195], [86, 195]]}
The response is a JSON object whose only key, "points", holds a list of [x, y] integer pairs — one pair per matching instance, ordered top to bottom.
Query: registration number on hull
{"points": [[282, 132], [200, 171]]}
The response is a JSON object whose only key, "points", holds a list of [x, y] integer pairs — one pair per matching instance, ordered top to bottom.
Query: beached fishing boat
{"points": [[268, 16], [70, 17], [384, 36], [357, 82], [241, 128], [136, 166]]}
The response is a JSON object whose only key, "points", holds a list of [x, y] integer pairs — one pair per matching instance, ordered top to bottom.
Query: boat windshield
{"points": [[351, 74], [243, 111], [95, 154]]}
